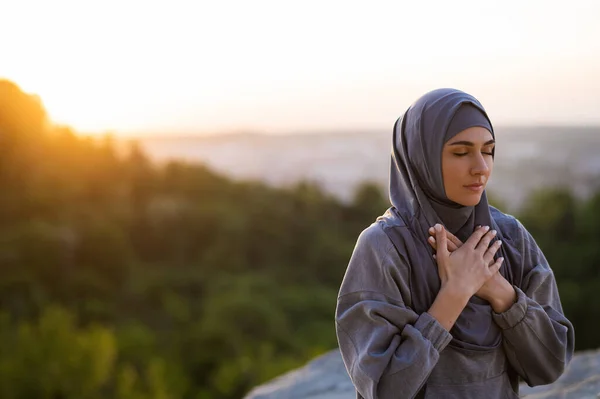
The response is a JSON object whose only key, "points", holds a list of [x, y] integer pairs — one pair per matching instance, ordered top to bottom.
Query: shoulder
{"points": [[502, 219], [510, 227], [387, 234], [374, 239], [526, 250], [375, 266]]}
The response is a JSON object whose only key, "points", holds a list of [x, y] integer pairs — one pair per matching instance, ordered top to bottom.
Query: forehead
{"points": [[475, 135]]}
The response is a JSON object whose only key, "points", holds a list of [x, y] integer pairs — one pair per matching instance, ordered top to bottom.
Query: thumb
{"points": [[442, 244]]}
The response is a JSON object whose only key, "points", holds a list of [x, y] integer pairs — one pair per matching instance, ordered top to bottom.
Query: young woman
{"points": [[446, 296]]}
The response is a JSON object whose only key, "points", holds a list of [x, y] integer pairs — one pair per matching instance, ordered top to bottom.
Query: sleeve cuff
{"points": [[515, 314], [433, 331]]}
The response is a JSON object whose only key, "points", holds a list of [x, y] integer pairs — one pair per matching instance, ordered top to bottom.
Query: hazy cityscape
{"points": [[526, 158]]}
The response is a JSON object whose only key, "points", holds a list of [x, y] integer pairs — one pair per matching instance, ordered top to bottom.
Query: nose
{"points": [[480, 166]]}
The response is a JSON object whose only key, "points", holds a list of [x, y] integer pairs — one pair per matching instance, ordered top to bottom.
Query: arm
{"points": [[538, 338], [388, 349]]}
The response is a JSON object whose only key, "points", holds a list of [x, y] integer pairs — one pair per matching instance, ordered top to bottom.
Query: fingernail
{"points": [[478, 226], [438, 227], [486, 228], [431, 230], [494, 232], [431, 239], [499, 242], [434, 257], [501, 260]]}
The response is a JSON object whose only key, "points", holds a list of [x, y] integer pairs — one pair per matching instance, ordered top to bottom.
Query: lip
{"points": [[475, 187]]}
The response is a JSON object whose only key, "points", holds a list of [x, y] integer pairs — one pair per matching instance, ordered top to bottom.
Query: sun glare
{"points": [[138, 66]]}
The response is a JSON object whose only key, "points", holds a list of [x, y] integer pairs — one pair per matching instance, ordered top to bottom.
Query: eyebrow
{"points": [[468, 143]]}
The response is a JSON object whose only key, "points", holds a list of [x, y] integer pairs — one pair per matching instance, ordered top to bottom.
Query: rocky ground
{"points": [[325, 378]]}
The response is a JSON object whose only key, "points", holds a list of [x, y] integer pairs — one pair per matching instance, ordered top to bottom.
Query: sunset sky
{"points": [[174, 67]]}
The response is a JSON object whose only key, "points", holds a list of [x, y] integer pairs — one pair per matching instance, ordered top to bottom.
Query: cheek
{"points": [[490, 164], [453, 170]]}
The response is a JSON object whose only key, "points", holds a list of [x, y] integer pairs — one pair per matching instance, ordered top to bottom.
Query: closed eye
{"points": [[462, 154]]}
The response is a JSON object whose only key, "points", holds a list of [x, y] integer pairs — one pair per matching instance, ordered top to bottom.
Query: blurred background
{"points": [[182, 183]]}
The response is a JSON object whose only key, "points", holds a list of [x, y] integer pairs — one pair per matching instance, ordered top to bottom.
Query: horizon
{"points": [[181, 68], [230, 134]]}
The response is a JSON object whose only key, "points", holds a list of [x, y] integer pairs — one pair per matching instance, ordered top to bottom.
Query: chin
{"points": [[468, 200], [472, 203]]}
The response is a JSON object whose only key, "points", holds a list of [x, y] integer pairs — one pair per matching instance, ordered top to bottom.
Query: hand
{"points": [[453, 242], [469, 266], [487, 290]]}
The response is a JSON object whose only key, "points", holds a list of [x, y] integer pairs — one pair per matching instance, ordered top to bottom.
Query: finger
{"points": [[476, 236], [454, 240], [431, 241], [484, 243], [442, 245], [451, 246], [488, 257], [491, 262], [496, 266]]}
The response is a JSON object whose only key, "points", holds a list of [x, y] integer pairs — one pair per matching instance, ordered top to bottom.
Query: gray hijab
{"points": [[418, 199]]}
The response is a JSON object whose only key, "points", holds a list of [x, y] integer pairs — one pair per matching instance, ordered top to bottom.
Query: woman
{"points": [[446, 296]]}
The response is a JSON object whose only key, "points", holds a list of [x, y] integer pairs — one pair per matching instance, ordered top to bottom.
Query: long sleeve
{"points": [[538, 338], [388, 349]]}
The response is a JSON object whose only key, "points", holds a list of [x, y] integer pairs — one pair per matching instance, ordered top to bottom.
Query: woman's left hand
{"points": [[493, 289]]}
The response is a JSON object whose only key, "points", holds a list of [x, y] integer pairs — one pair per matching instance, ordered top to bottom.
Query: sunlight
{"points": [[268, 66]]}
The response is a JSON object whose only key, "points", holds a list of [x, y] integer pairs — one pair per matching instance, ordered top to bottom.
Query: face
{"points": [[467, 161]]}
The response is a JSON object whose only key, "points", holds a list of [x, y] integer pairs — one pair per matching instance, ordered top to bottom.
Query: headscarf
{"points": [[418, 198], [458, 219]]}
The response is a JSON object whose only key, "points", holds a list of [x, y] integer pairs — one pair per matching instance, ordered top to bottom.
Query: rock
{"points": [[322, 378], [325, 378], [581, 380]]}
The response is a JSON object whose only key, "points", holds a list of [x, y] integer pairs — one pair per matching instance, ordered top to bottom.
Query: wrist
{"points": [[455, 294], [485, 295], [505, 298], [447, 306]]}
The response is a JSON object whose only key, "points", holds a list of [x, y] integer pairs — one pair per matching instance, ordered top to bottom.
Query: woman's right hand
{"points": [[467, 268]]}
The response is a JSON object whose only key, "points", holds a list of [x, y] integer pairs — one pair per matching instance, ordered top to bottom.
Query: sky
{"points": [[205, 67]]}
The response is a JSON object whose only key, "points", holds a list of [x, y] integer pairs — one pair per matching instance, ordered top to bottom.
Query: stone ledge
{"points": [[325, 377]]}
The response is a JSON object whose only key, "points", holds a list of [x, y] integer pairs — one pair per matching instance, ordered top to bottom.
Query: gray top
{"points": [[391, 347], [390, 350]]}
